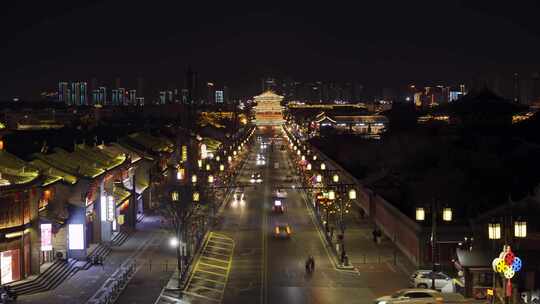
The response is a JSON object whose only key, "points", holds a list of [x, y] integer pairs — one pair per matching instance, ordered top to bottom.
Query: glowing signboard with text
{"points": [[76, 236], [46, 237]]}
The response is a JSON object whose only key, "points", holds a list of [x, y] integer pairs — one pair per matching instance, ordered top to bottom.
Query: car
{"points": [[260, 160], [256, 178], [238, 196], [278, 206], [282, 231], [423, 279], [419, 296]]}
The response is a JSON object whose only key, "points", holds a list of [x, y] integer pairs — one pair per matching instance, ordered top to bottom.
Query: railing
{"points": [[119, 283]]}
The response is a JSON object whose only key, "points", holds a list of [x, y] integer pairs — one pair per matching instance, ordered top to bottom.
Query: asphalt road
{"points": [[269, 270]]}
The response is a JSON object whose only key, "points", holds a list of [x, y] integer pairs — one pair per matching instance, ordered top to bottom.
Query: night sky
{"points": [[379, 43]]}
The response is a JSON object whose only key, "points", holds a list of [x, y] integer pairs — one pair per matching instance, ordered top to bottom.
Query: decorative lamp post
{"points": [[352, 194], [331, 195], [175, 196], [420, 214], [494, 231]]}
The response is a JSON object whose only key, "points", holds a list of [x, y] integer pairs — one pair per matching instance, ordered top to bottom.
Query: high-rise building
{"points": [[191, 84], [140, 86], [516, 88], [535, 90], [210, 93], [63, 94], [78, 94], [103, 96], [122, 96], [219, 96], [95, 97], [115, 97], [132, 97], [162, 97]]}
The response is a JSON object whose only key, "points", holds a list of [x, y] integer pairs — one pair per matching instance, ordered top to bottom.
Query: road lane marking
{"points": [[211, 265], [209, 280], [200, 296]]}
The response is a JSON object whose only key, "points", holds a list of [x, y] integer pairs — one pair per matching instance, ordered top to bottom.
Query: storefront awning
{"points": [[120, 195]]}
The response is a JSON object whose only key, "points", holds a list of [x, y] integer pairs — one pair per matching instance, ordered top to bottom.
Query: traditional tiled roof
{"points": [[154, 143], [84, 161], [15, 171], [52, 174]]}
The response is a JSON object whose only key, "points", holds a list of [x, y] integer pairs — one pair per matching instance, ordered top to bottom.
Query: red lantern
{"points": [[509, 258]]}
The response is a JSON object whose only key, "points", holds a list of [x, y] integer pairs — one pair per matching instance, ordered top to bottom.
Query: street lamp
{"points": [[314, 157], [323, 166], [335, 178], [174, 242]]}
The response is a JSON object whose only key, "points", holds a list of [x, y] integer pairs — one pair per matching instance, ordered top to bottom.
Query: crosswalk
{"points": [[211, 272]]}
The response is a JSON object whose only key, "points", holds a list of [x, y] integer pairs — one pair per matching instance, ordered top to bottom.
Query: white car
{"points": [[423, 279], [419, 296]]}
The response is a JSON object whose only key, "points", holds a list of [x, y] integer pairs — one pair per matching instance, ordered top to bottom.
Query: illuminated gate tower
{"points": [[268, 111]]}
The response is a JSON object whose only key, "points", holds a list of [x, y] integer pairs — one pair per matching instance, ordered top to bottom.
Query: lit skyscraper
{"points": [[63, 92], [219, 96], [115, 97], [132, 97]]}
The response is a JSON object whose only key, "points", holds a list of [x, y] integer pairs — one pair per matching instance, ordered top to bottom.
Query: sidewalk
{"points": [[85, 283]]}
